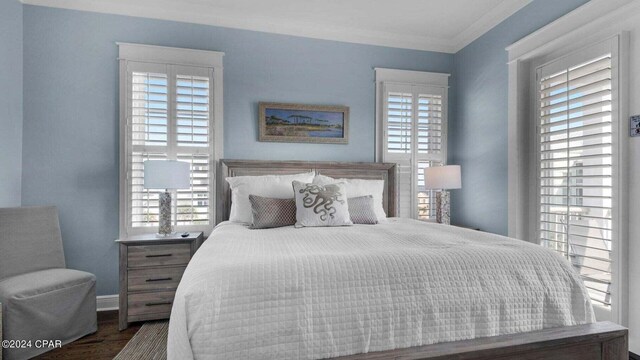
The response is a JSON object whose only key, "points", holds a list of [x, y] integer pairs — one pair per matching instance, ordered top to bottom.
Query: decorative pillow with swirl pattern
{"points": [[318, 205]]}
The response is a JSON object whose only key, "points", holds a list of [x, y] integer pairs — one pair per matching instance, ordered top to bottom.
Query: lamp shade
{"points": [[166, 174], [442, 177]]}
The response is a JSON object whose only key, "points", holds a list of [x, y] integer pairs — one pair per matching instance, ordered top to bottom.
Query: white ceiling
{"points": [[437, 25]]}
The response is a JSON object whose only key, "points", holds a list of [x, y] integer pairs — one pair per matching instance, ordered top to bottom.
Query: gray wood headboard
{"points": [[382, 171]]}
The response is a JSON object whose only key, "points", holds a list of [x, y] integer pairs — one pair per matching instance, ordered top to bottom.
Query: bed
{"points": [[399, 289]]}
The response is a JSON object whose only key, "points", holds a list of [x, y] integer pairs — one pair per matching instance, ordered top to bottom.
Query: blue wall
{"points": [[10, 102], [71, 108], [478, 126], [70, 150]]}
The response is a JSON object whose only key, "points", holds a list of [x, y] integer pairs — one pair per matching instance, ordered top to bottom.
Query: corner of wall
{"points": [[11, 102]]}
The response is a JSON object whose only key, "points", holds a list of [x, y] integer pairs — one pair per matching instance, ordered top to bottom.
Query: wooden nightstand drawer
{"points": [[158, 255], [151, 268], [150, 279], [150, 303]]}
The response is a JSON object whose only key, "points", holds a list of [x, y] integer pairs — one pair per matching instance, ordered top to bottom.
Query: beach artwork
{"points": [[303, 123]]}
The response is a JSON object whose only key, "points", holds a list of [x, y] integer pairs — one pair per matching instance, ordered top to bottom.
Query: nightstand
{"points": [[150, 269]]}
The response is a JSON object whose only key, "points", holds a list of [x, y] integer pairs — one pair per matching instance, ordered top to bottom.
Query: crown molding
{"points": [[201, 13], [487, 22]]}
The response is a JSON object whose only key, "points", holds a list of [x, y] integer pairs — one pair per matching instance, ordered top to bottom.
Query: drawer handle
{"points": [[159, 255], [160, 279], [158, 303]]}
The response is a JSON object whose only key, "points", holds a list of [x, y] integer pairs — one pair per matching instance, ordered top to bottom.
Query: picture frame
{"points": [[301, 123]]}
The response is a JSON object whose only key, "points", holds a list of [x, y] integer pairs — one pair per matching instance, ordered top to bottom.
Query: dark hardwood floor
{"points": [[102, 345]]}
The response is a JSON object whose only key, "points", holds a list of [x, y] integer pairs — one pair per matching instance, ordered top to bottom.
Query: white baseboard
{"points": [[107, 302]]}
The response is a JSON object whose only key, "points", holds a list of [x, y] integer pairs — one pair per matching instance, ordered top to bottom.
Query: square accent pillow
{"points": [[318, 205], [362, 210], [271, 213]]}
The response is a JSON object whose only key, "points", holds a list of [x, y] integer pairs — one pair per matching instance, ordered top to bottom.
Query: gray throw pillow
{"points": [[318, 205], [362, 210], [271, 213]]}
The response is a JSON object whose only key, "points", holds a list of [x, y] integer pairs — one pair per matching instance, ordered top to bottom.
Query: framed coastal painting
{"points": [[303, 123]]}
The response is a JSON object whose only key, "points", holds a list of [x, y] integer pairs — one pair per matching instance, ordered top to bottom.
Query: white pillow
{"points": [[271, 186], [360, 187], [318, 205]]}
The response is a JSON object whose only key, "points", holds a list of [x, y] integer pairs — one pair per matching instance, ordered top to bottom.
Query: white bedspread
{"points": [[313, 293]]}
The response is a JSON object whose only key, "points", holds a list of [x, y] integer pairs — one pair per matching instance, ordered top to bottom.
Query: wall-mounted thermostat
{"points": [[635, 125]]}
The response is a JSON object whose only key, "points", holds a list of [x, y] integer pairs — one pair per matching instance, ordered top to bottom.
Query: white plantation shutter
{"points": [[149, 107], [192, 108], [169, 117], [399, 123], [429, 123], [148, 129], [414, 137], [430, 142], [194, 145], [578, 157], [426, 198], [143, 204], [194, 204]]}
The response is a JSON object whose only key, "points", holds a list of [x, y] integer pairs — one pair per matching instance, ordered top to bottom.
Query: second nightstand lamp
{"points": [[168, 175], [442, 178]]}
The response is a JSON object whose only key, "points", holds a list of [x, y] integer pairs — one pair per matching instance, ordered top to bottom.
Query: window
{"points": [[169, 110], [412, 117], [577, 164]]}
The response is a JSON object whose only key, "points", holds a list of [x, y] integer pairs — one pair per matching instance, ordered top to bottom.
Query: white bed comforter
{"points": [[313, 293]]}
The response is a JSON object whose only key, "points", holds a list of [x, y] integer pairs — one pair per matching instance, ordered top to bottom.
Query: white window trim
{"points": [[601, 19], [171, 56], [406, 77], [437, 81], [619, 132]]}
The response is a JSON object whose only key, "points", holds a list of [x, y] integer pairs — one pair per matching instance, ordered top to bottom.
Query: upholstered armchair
{"points": [[41, 299]]}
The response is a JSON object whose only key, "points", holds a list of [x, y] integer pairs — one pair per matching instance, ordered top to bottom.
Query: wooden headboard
{"points": [[382, 171]]}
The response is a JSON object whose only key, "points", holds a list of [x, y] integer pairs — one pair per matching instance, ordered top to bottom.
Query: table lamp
{"points": [[168, 175], [442, 178]]}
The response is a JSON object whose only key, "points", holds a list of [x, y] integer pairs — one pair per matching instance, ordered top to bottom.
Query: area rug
{"points": [[149, 343]]}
